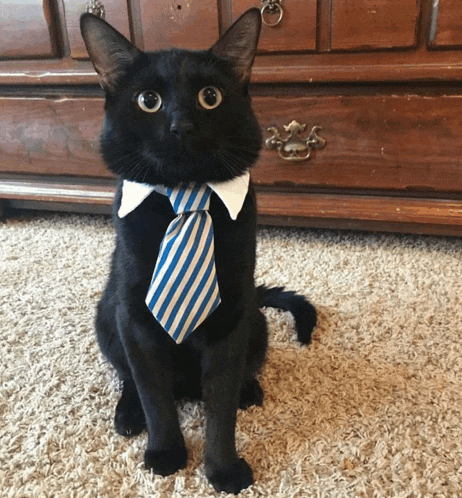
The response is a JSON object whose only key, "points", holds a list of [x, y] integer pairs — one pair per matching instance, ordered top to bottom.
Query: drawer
{"points": [[371, 25], [25, 29], [291, 29], [44, 136], [388, 142], [407, 143]]}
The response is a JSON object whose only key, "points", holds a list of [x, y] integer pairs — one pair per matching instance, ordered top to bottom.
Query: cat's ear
{"points": [[239, 43], [110, 52]]}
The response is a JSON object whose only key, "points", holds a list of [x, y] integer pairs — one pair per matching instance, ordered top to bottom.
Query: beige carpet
{"points": [[373, 408]]}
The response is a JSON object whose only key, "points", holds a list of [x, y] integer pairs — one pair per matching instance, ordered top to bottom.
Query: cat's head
{"points": [[177, 116]]}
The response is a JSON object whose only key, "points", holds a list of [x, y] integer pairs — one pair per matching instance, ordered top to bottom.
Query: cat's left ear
{"points": [[239, 43], [110, 52]]}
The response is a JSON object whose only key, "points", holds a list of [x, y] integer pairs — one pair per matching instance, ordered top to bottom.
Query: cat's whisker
{"points": [[244, 145], [235, 160], [227, 162], [134, 164], [146, 171]]}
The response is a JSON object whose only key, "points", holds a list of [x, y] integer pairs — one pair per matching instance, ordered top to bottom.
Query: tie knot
{"points": [[189, 197]]}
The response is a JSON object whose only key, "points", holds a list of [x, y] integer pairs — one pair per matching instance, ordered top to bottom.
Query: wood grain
{"points": [[180, 23], [373, 24], [24, 30], [359, 67], [431, 67], [51, 136], [397, 142], [55, 191], [361, 208], [440, 217]]}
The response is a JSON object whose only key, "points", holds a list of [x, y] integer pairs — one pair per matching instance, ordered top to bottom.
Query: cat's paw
{"points": [[251, 394], [129, 419], [166, 462], [232, 479]]}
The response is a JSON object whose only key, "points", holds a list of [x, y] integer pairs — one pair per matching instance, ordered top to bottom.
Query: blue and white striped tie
{"points": [[184, 288]]}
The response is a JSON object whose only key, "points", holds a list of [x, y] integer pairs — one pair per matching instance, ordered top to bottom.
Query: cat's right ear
{"points": [[110, 52]]}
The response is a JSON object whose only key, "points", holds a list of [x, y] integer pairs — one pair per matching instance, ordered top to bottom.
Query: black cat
{"points": [[172, 117]]}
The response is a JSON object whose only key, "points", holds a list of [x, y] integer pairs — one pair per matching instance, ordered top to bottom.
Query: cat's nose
{"points": [[181, 127]]}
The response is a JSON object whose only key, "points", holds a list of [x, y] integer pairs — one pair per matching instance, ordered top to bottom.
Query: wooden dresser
{"points": [[360, 103]]}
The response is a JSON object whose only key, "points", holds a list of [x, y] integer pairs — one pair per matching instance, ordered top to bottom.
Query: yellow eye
{"points": [[210, 97], [149, 101]]}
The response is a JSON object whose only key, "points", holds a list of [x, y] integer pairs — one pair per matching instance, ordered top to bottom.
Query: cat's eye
{"points": [[210, 97], [149, 101]]}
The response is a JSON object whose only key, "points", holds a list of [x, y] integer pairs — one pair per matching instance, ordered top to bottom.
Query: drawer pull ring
{"points": [[96, 8], [269, 9], [294, 147]]}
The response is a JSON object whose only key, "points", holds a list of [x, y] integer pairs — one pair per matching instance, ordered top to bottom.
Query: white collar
{"points": [[232, 193]]}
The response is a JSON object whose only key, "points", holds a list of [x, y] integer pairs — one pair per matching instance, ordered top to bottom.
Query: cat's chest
{"points": [[141, 232]]}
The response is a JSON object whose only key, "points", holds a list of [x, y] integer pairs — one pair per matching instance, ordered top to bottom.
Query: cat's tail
{"points": [[303, 311]]}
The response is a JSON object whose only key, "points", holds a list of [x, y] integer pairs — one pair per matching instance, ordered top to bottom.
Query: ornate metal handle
{"points": [[96, 8], [270, 9], [293, 147]]}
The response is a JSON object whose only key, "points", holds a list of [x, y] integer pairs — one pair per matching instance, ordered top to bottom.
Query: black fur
{"points": [[303, 312], [219, 361]]}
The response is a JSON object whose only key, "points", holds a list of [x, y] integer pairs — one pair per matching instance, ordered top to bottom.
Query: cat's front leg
{"points": [[151, 365], [223, 367]]}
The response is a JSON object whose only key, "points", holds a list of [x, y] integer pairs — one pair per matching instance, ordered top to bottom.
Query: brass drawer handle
{"points": [[96, 8], [270, 8], [294, 147]]}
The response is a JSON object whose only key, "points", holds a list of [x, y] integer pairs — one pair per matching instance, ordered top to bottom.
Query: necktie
{"points": [[184, 288]]}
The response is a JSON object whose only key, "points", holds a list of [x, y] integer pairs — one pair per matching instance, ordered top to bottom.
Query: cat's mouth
{"points": [[180, 149]]}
